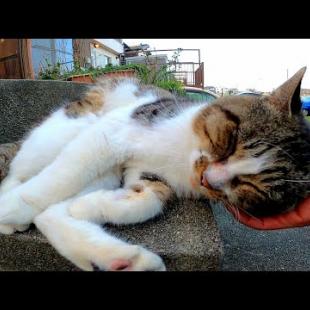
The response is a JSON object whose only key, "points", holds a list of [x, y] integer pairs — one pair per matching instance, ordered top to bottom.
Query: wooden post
{"points": [[81, 51], [25, 56]]}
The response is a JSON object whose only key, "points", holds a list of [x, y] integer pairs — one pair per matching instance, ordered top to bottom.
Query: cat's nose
{"points": [[215, 176]]}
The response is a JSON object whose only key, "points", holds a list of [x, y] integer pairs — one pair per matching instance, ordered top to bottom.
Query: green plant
{"points": [[50, 72], [161, 77], [173, 86]]}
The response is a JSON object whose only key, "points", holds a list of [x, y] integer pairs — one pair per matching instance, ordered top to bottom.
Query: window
{"points": [[51, 51], [99, 58], [108, 60], [200, 96]]}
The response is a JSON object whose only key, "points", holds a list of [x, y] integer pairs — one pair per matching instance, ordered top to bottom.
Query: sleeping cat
{"points": [[120, 153]]}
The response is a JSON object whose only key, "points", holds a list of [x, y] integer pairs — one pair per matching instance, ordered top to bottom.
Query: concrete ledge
{"points": [[24, 103], [185, 237]]}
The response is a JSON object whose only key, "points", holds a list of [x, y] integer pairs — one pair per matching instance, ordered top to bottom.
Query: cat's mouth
{"points": [[204, 182]]}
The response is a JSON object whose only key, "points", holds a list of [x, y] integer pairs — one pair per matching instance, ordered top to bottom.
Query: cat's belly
{"points": [[176, 175], [111, 180]]}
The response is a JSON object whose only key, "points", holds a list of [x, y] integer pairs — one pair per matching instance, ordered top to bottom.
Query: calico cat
{"points": [[119, 154]]}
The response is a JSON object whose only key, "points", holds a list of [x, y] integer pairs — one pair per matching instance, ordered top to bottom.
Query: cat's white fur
{"points": [[66, 178]]}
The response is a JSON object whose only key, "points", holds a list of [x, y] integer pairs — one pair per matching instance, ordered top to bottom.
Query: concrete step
{"points": [[185, 236]]}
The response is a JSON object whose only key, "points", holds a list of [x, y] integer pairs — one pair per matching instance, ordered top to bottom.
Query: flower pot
{"points": [[121, 73], [83, 78], [87, 78]]}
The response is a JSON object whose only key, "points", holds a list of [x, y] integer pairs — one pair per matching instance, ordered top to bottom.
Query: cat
{"points": [[122, 151]]}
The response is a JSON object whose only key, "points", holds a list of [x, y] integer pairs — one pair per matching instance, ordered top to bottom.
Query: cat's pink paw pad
{"points": [[121, 264]]}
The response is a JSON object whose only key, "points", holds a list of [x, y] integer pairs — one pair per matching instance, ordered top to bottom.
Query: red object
{"points": [[121, 73], [83, 78], [298, 217]]}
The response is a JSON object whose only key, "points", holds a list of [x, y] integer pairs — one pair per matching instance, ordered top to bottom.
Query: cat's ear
{"points": [[287, 96]]}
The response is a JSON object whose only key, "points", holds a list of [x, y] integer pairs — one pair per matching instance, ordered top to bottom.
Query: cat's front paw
{"points": [[8, 184], [82, 209], [14, 210], [7, 229], [128, 258], [139, 259], [146, 261]]}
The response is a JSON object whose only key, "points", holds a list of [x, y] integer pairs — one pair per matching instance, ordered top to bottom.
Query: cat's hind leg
{"points": [[41, 147], [82, 161], [137, 203], [86, 244]]}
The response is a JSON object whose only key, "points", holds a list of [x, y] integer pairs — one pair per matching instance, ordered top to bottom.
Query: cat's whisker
{"points": [[277, 147], [167, 166], [297, 181], [235, 211], [249, 214]]}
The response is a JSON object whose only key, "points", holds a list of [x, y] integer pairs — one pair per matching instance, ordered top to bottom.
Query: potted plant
{"points": [[124, 73], [81, 78]]}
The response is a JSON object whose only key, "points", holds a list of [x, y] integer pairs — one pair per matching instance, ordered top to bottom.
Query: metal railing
{"points": [[189, 73]]}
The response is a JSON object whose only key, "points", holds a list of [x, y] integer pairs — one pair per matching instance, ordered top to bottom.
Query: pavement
{"points": [[247, 249]]}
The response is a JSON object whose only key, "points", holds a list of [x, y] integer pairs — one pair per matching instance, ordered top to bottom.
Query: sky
{"points": [[262, 64]]}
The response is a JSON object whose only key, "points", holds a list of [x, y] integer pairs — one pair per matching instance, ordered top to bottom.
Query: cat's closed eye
{"points": [[218, 131]]}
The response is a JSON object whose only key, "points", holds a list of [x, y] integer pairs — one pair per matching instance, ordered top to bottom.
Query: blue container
{"points": [[306, 105]]}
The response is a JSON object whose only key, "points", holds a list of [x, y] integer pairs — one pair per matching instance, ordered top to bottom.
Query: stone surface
{"points": [[24, 103], [185, 236]]}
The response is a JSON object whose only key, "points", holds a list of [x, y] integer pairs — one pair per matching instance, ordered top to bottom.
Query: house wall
{"points": [[114, 45], [105, 51], [87, 54], [101, 57]]}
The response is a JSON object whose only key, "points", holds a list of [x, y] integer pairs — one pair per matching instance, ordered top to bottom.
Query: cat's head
{"points": [[254, 152]]}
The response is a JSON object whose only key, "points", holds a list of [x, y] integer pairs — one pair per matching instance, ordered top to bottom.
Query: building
{"points": [[106, 51], [24, 58], [155, 61], [189, 73], [305, 92]]}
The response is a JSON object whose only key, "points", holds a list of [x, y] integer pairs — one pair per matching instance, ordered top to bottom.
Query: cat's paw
{"points": [[9, 184], [82, 209], [14, 210], [7, 229], [132, 258], [144, 260]]}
